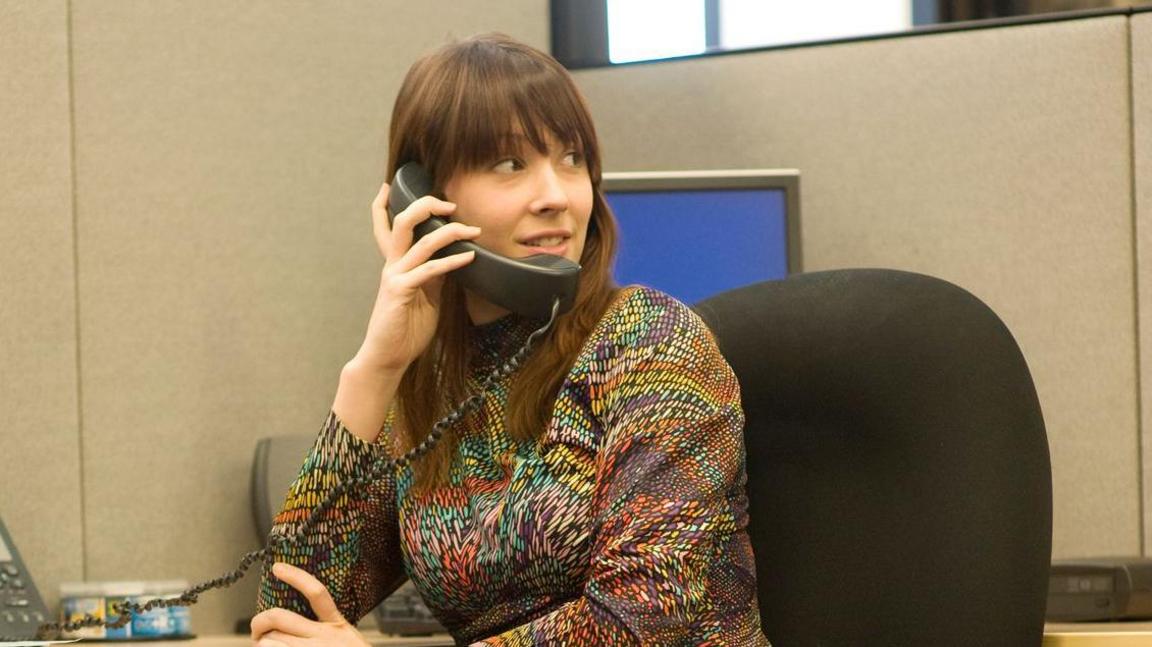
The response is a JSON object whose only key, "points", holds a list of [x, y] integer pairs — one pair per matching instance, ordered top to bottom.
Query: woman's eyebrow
{"points": [[519, 141], [515, 142]]}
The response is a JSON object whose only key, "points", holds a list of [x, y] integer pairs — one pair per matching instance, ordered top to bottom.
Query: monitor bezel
{"points": [[787, 180]]}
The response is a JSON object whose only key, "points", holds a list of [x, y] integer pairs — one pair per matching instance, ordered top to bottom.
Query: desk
{"points": [[1098, 634], [1106, 634], [377, 640]]}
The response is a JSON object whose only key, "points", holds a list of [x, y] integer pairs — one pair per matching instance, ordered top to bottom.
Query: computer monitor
{"points": [[694, 234]]}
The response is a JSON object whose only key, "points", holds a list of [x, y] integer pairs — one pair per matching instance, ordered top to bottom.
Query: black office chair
{"points": [[899, 478]]}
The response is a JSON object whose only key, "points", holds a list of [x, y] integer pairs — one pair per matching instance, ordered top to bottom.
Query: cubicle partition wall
{"points": [[1140, 42], [999, 159], [186, 257]]}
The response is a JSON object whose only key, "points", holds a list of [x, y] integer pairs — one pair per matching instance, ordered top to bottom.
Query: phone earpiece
{"points": [[527, 286]]}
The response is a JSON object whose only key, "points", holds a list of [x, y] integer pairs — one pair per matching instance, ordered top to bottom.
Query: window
{"points": [[759, 23], [593, 33], [635, 35]]}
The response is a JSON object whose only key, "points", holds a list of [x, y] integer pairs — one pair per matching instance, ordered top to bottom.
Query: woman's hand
{"points": [[407, 305], [283, 628]]}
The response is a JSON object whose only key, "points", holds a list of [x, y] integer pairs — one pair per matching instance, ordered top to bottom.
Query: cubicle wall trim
{"points": [[926, 30], [74, 207], [1143, 439], [1141, 498]]}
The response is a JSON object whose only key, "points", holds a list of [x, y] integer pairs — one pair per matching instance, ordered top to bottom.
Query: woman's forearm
{"points": [[363, 397]]}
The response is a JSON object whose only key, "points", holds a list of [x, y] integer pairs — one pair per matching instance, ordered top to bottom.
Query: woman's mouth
{"points": [[546, 241], [554, 244]]}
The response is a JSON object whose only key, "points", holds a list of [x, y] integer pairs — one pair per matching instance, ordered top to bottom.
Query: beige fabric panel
{"points": [[1142, 147], [227, 155], [997, 159], [40, 498]]}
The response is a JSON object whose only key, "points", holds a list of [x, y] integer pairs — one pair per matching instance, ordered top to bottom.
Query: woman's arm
{"points": [[364, 397], [354, 550], [671, 560]]}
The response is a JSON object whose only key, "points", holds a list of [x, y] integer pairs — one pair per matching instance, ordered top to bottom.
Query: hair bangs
{"points": [[499, 101]]}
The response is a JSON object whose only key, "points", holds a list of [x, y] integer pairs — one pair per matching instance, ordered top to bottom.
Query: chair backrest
{"points": [[275, 465], [899, 476]]}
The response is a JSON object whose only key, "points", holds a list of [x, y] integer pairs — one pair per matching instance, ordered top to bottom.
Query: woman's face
{"points": [[525, 203]]}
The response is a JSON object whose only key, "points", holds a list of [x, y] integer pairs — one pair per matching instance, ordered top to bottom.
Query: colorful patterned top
{"points": [[625, 523]]}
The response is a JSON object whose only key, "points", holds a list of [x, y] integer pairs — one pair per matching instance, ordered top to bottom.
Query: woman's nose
{"points": [[551, 193]]}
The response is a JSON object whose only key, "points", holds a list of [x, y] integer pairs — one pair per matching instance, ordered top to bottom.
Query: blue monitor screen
{"points": [[693, 244]]}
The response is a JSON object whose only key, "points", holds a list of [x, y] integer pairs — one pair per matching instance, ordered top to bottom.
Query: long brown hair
{"points": [[455, 112]]}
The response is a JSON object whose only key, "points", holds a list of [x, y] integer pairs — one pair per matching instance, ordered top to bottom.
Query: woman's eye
{"points": [[572, 158], [508, 165]]}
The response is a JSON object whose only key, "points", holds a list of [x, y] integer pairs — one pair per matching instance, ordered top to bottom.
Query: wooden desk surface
{"points": [[1102, 634], [1106, 634], [377, 640]]}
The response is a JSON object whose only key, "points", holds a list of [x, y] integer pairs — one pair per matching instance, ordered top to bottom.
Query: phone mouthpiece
{"points": [[528, 286]]}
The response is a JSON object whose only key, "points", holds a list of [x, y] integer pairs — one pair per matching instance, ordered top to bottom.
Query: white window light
{"points": [[758, 23], [646, 29]]}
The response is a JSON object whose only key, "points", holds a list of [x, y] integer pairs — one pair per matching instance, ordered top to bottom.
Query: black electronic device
{"points": [[527, 286], [275, 465], [1087, 590], [22, 609]]}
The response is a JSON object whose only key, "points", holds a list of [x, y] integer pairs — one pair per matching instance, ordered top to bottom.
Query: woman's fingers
{"points": [[381, 230], [401, 230], [427, 246], [408, 259], [432, 269], [313, 589], [281, 620], [277, 624], [278, 639]]}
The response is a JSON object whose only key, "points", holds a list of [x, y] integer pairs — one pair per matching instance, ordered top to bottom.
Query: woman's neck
{"points": [[482, 311]]}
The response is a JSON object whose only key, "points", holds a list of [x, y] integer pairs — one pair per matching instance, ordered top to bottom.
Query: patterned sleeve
{"points": [[672, 451], [355, 549]]}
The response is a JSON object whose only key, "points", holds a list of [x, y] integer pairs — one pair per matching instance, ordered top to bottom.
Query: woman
{"points": [[597, 497]]}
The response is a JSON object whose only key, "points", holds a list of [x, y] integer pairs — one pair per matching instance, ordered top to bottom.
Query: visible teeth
{"points": [[545, 242]]}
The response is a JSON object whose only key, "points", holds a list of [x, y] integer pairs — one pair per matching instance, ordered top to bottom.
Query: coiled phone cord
{"points": [[277, 543]]}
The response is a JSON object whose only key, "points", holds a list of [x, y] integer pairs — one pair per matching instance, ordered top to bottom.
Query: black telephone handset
{"points": [[527, 286], [21, 607]]}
